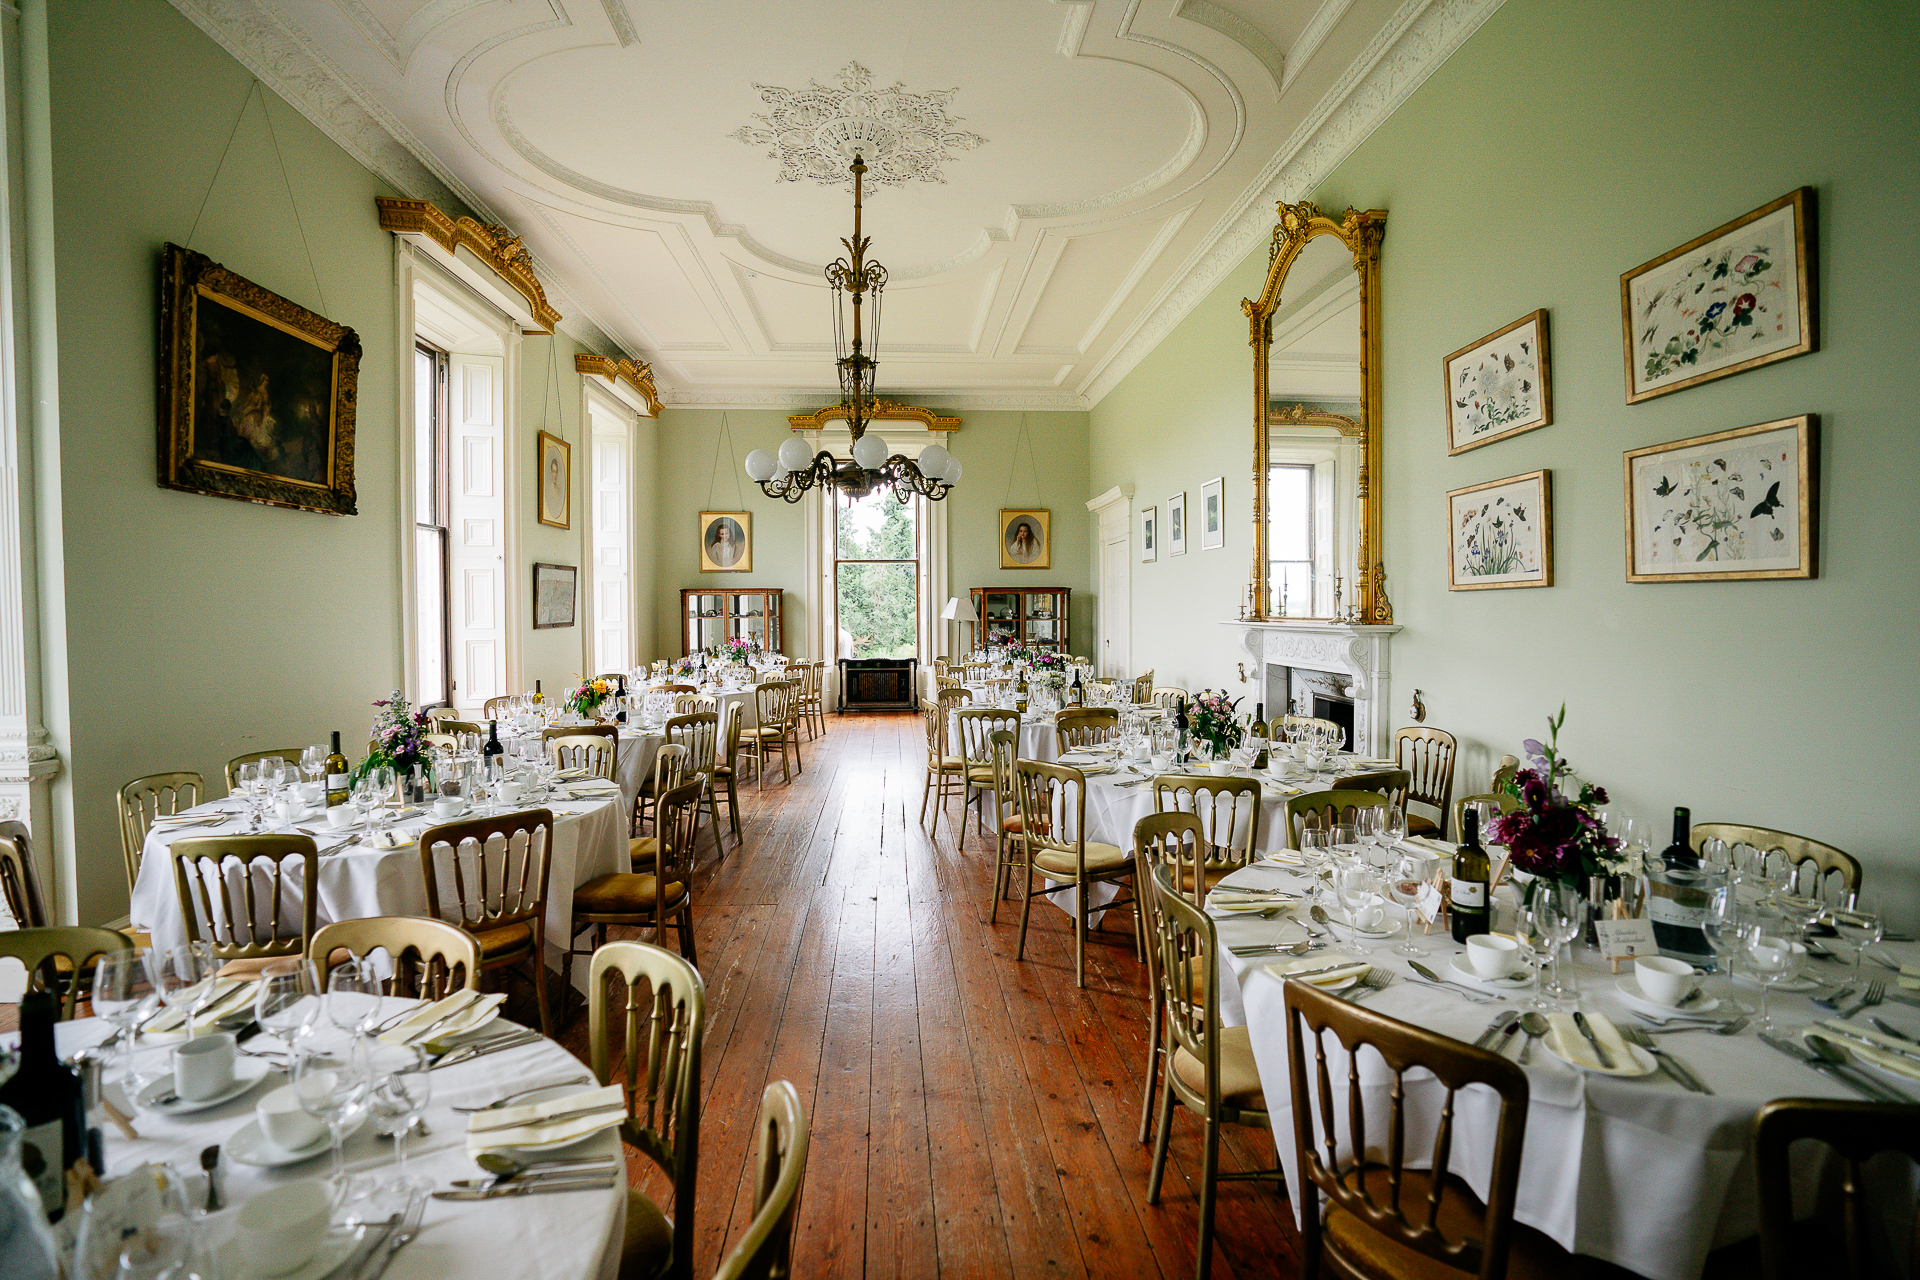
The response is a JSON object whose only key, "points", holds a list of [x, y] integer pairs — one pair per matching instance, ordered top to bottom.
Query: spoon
{"points": [[1319, 914], [1433, 977], [1535, 1025], [1718, 1029], [505, 1168]]}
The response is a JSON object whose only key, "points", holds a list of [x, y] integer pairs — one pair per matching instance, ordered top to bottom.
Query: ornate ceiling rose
{"points": [[815, 131]]}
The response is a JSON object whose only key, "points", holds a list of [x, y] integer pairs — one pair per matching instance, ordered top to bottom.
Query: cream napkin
{"points": [[594, 787], [393, 838], [1431, 845], [1910, 977], [1332, 978], [229, 995], [472, 1009], [1571, 1045], [1895, 1062], [526, 1126]]}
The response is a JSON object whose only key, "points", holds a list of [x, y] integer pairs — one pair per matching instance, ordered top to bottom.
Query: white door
{"points": [[612, 513], [476, 526], [1116, 605]]}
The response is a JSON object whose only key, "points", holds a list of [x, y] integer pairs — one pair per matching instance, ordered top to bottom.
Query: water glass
{"points": [[313, 762], [1859, 927], [1771, 958], [186, 979], [124, 992], [353, 997], [286, 1000], [332, 1087], [402, 1087]]}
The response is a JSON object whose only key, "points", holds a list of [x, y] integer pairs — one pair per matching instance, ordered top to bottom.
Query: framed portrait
{"points": [[1733, 299], [1499, 386], [257, 393], [556, 481], [1735, 504], [1213, 516], [1177, 524], [1149, 529], [1501, 534], [1026, 538], [726, 542], [553, 595]]}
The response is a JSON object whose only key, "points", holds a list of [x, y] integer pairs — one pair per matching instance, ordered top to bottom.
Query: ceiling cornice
{"points": [[636, 374], [808, 401]]}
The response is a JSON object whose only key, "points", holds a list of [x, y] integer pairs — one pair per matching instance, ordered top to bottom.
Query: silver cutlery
{"points": [[1275, 948], [1882, 960], [1323, 969], [1435, 979], [1371, 981], [1876, 992], [1838, 998], [465, 1006], [1498, 1021], [388, 1024], [1535, 1025], [1734, 1027], [1887, 1028], [1586, 1030], [1850, 1036], [1499, 1046], [468, 1052], [1829, 1052], [1679, 1072], [1862, 1087], [508, 1100], [613, 1109], [210, 1162], [504, 1167], [523, 1189], [372, 1236], [396, 1241]]}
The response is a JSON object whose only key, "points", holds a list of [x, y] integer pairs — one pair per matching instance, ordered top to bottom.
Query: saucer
{"points": [[1396, 920], [1464, 968], [1629, 988], [248, 1071], [250, 1146], [334, 1249]]}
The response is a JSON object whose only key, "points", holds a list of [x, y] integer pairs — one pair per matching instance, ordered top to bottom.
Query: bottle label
{"points": [[336, 782], [1469, 893], [1675, 910], [41, 1156]]}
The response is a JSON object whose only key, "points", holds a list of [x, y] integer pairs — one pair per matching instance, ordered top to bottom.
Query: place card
{"points": [[1428, 902], [1621, 939]]}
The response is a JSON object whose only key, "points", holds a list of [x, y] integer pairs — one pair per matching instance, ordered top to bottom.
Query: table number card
{"points": [[1427, 902], [1623, 939]]}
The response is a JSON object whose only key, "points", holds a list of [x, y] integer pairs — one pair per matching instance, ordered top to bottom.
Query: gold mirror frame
{"points": [[1361, 233]]}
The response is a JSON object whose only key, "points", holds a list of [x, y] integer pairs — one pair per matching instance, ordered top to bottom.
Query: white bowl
{"points": [[280, 1229]]}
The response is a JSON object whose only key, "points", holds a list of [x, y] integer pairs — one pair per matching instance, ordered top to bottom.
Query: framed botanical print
{"points": [[1733, 299], [1500, 385], [257, 393], [556, 481], [1735, 504], [1213, 517], [1177, 524], [1149, 530], [1500, 534], [1026, 538], [726, 542], [553, 595]]}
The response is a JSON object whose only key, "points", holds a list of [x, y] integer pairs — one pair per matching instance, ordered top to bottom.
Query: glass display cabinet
{"points": [[713, 616], [1034, 617]]}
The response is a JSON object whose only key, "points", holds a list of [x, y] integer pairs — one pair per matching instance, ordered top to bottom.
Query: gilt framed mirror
{"points": [[1315, 333]]}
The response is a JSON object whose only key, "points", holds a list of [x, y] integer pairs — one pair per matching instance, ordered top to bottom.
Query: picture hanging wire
{"points": [[553, 387], [1013, 464], [739, 498]]}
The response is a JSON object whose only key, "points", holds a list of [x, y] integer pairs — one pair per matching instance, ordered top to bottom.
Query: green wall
{"points": [[1563, 144]]}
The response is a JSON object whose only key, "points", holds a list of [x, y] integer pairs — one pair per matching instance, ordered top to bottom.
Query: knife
{"points": [[1325, 968], [1501, 1019], [1843, 1031], [479, 1049], [1606, 1059], [1862, 1087], [578, 1113], [527, 1189], [372, 1237]]}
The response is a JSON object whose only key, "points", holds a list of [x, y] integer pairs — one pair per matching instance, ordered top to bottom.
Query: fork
{"points": [[1371, 981], [1875, 993], [1722, 1029], [1681, 1073], [409, 1228]]}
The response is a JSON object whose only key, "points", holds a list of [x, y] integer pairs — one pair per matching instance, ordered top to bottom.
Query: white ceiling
{"points": [[1077, 173]]}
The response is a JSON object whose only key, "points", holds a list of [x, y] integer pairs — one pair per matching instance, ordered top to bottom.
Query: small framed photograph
{"points": [[1733, 299], [1499, 386], [556, 481], [1736, 504], [1213, 516], [1177, 524], [1149, 531], [1501, 534], [1026, 538], [726, 542], [553, 595]]}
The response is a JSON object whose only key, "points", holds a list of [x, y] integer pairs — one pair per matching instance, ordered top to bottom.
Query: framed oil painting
{"points": [[1733, 299], [1499, 386], [257, 393], [556, 481], [1735, 504], [1213, 516], [1177, 524], [1149, 530], [1501, 534], [1026, 538], [726, 542], [553, 595]]}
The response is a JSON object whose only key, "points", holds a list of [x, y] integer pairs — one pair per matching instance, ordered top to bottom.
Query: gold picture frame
{"points": [[1747, 286], [1500, 385], [257, 393], [555, 471], [1743, 497], [1500, 534], [1026, 538], [726, 542], [554, 595]]}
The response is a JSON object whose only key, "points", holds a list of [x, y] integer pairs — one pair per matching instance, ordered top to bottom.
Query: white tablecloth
{"points": [[589, 840], [1636, 1171], [507, 1239]]}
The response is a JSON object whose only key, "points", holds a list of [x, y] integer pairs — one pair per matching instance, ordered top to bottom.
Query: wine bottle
{"points": [[1077, 694], [538, 697], [620, 701], [1180, 726], [1259, 732], [492, 747], [336, 774], [1677, 897], [1467, 903], [48, 1096]]}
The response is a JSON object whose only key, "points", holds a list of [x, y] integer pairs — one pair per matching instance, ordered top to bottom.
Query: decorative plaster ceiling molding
{"points": [[1325, 18], [621, 21], [1241, 32], [1423, 34], [398, 46], [816, 131], [495, 247], [635, 373], [986, 401], [879, 411]]}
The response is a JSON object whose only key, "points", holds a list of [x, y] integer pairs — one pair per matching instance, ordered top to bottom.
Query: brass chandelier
{"points": [[790, 474]]}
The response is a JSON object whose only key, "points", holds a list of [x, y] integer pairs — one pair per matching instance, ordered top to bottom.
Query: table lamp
{"points": [[960, 609]]}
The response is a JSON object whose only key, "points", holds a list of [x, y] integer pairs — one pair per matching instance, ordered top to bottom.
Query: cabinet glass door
{"points": [[1041, 604], [1001, 606], [1045, 634]]}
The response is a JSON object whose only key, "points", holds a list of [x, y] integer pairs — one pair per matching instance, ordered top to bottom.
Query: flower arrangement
{"points": [[734, 649], [1016, 653], [1049, 662], [686, 666], [585, 698], [1211, 719], [396, 738], [1551, 835]]}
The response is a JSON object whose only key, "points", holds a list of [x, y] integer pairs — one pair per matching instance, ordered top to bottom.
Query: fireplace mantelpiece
{"points": [[1357, 652]]}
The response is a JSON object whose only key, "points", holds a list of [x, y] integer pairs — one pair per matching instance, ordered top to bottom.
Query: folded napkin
{"points": [[595, 787], [393, 838], [1428, 844], [1285, 858], [1236, 904], [1340, 977], [1910, 977], [229, 996], [468, 1009], [1566, 1040], [1893, 1061], [529, 1126]]}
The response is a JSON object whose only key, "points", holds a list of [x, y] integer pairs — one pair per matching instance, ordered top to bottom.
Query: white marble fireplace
{"points": [[1335, 658]]}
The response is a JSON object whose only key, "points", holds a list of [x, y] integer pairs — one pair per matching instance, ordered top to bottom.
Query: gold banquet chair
{"points": [[976, 726], [1085, 727], [592, 753], [289, 754], [1427, 756], [669, 771], [139, 802], [1326, 809], [1229, 812], [1053, 829], [1800, 850], [20, 877], [494, 886], [238, 890], [659, 899], [49, 953], [430, 959], [779, 1168]]}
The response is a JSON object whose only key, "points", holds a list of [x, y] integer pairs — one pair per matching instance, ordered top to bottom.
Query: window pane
{"points": [[425, 464], [876, 527], [1290, 531], [429, 564], [878, 618]]}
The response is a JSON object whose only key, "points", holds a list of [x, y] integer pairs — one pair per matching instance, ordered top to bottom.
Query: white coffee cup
{"points": [[1158, 761], [511, 791], [310, 792], [448, 807], [340, 817], [1365, 911], [1491, 955], [1664, 980], [203, 1066], [285, 1123], [280, 1229]]}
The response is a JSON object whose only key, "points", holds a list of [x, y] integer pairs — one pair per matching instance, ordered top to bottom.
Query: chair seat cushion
{"points": [[764, 733], [952, 764], [981, 774], [1012, 823], [1419, 826], [643, 852], [1056, 865], [623, 893], [504, 940], [1239, 1078], [647, 1247], [1369, 1253]]}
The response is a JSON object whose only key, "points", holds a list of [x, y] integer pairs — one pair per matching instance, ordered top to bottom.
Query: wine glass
{"points": [[313, 762], [368, 797], [1405, 886], [1721, 923], [1860, 927], [1536, 931], [1771, 958], [187, 979], [124, 993], [353, 997], [286, 1000], [331, 1086], [402, 1086]]}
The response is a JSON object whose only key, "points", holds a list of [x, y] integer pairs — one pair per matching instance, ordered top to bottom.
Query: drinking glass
{"points": [[313, 762], [1393, 826], [1405, 885], [1553, 918], [1721, 923], [1860, 927], [1771, 958], [186, 979], [124, 993], [353, 997], [287, 998], [332, 1085], [402, 1086]]}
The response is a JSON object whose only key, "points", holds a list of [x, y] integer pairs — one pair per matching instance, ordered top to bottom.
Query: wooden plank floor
{"points": [[972, 1115]]}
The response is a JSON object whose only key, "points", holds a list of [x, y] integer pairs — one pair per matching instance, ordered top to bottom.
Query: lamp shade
{"points": [[870, 451], [794, 454], [933, 462], [761, 465], [952, 474], [959, 609]]}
